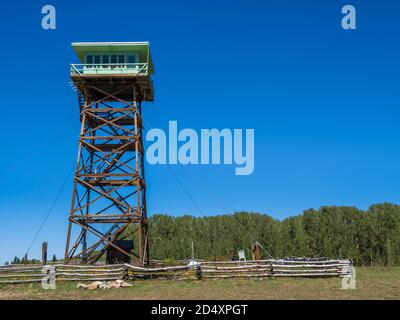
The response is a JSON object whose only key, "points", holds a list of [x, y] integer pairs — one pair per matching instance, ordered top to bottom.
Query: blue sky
{"points": [[324, 104]]}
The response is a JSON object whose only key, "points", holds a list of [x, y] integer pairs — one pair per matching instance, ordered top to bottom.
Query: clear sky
{"points": [[324, 104]]}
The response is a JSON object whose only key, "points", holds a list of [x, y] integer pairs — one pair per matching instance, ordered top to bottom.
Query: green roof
{"points": [[143, 48]]}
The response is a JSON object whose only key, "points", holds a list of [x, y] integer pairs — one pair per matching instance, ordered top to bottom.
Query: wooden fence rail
{"points": [[191, 271]]}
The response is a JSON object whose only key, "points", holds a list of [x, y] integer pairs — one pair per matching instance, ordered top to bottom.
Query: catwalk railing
{"points": [[110, 69], [189, 271]]}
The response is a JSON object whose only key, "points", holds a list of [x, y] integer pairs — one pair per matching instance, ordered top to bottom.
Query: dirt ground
{"points": [[371, 283]]}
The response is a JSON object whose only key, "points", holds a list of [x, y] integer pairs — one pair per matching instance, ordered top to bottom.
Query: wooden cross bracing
{"points": [[109, 182]]}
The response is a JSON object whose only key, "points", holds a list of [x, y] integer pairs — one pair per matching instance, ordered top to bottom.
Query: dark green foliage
{"points": [[369, 237]]}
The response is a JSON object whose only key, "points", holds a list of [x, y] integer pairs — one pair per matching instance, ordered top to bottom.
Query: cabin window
{"points": [[121, 58], [89, 59], [97, 59], [106, 59], [131, 59], [113, 60]]}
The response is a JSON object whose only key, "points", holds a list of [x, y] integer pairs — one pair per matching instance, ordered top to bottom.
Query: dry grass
{"points": [[372, 283]]}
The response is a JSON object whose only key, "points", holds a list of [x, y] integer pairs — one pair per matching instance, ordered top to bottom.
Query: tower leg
{"points": [[66, 255]]}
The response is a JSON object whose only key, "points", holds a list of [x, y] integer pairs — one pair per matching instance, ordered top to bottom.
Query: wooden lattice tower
{"points": [[109, 193]]}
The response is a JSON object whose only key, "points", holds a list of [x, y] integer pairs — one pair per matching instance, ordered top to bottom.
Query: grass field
{"points": [[372, 283]]}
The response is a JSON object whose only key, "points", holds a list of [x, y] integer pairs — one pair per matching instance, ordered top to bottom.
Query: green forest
{"points": [[370, 237]]}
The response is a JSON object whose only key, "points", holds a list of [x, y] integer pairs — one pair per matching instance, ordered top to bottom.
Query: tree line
{"points": [[370, 237], [25, 260]]}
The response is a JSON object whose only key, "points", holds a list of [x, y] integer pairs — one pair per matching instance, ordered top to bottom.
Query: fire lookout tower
{"points": [[109, 193]]}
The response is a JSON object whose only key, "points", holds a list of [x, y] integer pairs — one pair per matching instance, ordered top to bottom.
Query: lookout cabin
{"points": [[116, 62]]}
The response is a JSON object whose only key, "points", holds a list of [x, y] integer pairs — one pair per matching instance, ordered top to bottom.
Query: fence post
{"points": [[44, 252], [271, 270], [198, 272], [125, 273]]}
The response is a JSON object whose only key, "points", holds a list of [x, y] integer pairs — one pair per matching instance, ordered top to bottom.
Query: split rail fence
{"points": [[191, 271]]}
